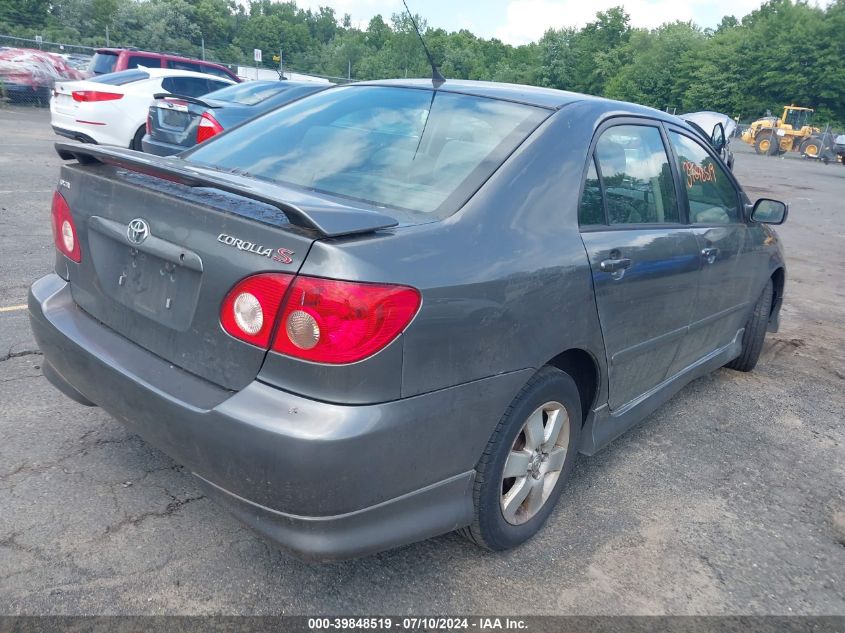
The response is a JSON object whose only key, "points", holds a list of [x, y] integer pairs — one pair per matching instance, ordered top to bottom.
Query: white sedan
{"points": [[112, 109]]}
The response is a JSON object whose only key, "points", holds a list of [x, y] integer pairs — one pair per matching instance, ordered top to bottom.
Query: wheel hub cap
{"points": [[534, 465]]}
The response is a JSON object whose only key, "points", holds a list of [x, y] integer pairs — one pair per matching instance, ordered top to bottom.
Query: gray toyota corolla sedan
{"points": [[391, 310]]}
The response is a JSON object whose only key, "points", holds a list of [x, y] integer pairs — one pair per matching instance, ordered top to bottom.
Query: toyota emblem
{"points": [[137, 231]]}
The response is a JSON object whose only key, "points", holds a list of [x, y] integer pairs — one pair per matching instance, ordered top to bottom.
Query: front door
{"points": [[715, 214], [645, 262]]}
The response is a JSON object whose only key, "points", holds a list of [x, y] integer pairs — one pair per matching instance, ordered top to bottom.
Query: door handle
{"points": [[710, 254], [615, 265]]}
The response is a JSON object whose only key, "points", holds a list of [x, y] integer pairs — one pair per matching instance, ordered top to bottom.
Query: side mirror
{"points": [[717, 138], [767, 211]]}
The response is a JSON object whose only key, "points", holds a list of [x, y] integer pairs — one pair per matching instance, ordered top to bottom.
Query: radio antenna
{"points": [[436, 78]]}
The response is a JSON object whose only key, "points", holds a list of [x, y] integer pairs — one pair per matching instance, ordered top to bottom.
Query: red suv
{"points": [[110, 60]]}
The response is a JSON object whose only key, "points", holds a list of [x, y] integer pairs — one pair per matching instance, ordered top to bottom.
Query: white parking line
{"points": [[25, 191], [13, 308]]}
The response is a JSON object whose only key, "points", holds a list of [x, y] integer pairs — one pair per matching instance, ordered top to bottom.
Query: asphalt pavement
{"points": [[730, 499]]}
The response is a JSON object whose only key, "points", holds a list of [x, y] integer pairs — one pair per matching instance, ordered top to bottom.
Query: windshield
{"points": [[102, 63], [121, 78], [248, 93], [798, 118], [419, 150]]}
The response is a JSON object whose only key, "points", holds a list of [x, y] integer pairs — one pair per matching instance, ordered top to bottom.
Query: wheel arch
{"points": [[584, 370]]}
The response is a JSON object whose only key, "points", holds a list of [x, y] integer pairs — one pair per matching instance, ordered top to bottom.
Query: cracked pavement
{"points": [[730, 499]]}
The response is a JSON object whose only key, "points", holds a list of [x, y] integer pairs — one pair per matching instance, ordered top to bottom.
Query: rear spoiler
{"points": [[170, 95], [331, 219]]}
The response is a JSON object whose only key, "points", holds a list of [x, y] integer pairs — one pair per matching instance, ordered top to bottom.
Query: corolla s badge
{"points": [[137, 231], [281, 255]]}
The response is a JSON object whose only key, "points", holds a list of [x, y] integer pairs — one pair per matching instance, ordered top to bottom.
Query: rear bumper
{"points": [[85, 126], [77, 136], [160, 148], [326, 481]]}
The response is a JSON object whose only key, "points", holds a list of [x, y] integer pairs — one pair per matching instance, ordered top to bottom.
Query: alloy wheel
{"points": [[534, 463]]}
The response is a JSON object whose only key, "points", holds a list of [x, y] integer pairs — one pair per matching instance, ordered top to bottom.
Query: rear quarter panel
{"points": [[506, 283]]}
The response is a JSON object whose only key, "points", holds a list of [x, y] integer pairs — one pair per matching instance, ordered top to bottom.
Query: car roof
{"points": [[139, 51], [533, 95], [551, 98]]}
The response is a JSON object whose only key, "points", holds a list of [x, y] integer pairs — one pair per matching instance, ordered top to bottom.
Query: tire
{"points": [[136, 140], [765, 143], [811, 147], [755, 332], [538, 401]]}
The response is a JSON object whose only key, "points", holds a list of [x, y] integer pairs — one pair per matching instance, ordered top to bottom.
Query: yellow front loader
{"points": [[792, 132]]}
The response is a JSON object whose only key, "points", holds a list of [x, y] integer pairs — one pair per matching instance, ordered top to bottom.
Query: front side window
{"points": [[177, 64], [214, 70], [416, 150], [637, 179], [712, 196]]}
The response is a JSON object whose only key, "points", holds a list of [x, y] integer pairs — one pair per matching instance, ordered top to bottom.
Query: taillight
{"points": [[95, 95], [149, 124], [208, 127], [64, 231], [249, 310], [321, 320], [329, 321]]}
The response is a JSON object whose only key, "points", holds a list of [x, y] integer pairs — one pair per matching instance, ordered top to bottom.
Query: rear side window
{"points": [[135, 61], [102, 63], [177, 64], [214, 70], [122, 78], [213, 85], [415, 149], [636, 177], [712, 196]]}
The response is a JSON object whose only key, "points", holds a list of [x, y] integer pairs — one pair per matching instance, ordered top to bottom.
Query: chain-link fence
{"points": [[51, 47]]}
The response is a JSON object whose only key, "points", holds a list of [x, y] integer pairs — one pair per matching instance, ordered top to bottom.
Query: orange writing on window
{"points": [[697, 173]]}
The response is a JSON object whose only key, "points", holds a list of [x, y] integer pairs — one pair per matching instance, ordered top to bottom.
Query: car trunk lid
{"points": [[175, 119], [159, 257]]}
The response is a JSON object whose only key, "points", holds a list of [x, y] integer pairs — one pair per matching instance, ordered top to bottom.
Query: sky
{"points": [[522, 21]]}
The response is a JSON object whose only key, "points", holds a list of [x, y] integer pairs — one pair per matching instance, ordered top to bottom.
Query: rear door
{"points": [[715, 215], [644, 258]]}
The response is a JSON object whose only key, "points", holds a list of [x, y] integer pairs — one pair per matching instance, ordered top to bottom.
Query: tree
{"points": [[785, 51], [557, 59], [654, 67]]}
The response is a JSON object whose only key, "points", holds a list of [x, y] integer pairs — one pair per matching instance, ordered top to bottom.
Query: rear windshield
{"points": [[102, 63], [121, 78], [248, 93], [419, 150]]}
